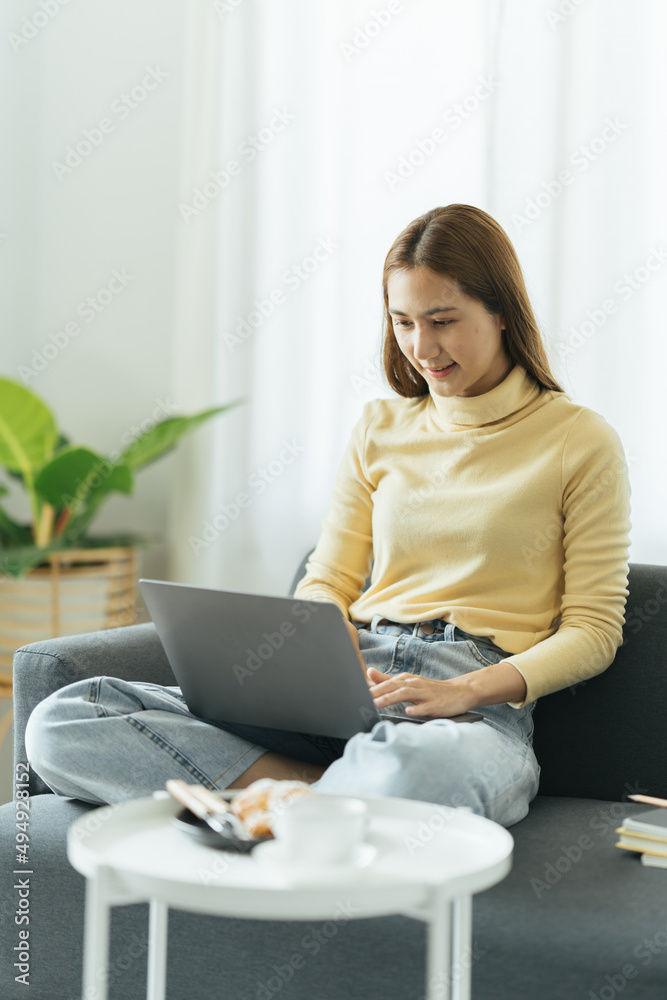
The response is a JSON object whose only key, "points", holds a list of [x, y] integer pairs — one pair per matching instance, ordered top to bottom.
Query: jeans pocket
{"points": [[486, 656]]}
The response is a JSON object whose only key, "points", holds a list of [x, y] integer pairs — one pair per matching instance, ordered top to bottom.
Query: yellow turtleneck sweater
{"points": [[507, 514]]}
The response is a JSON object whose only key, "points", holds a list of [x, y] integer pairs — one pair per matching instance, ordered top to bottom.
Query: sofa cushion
{"points": [[573, 912]]}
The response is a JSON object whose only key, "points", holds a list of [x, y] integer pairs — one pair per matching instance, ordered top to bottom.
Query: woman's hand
{"points": [[492, 685], [439, 699]]}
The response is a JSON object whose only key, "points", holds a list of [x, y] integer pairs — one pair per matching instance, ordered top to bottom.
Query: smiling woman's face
{"points": [[436, 324]]}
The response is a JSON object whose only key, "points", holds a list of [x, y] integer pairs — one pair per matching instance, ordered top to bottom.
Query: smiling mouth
{"points": [[445, 368]]}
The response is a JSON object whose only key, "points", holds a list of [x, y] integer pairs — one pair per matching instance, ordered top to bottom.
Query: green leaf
{"points": [[28, 430], [165, 435], [60, 444], [77, 475], [78, 523], [12, 533]]}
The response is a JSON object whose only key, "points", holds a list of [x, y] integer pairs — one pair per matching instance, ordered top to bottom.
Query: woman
{"points": [[495, 514]]}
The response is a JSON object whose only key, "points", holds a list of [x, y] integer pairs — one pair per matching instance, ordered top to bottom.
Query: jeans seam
{"points": [[400, 645], [421, 648], [94, 698], [173, 751], [227, 769]]}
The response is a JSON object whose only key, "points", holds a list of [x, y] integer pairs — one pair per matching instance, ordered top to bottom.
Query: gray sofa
{"points": [[576, 918]]}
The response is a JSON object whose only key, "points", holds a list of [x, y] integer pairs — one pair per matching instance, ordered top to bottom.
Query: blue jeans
{"points": [[104, 740]]}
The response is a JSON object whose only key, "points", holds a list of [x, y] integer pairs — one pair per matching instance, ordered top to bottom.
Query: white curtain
{"points": [[581, 95], [330, 126]]}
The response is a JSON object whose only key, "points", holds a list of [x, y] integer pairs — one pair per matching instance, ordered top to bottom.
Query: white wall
{"points": [[63, 236]]}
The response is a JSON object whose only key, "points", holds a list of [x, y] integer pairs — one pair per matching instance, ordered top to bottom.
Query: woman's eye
{"points": [[437, 322], [404, 323]]}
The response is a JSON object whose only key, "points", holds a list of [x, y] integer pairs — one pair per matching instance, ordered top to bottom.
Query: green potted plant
{"points": [[66, 485]]}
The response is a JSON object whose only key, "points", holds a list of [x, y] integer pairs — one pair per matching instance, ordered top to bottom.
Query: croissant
{"points": [[257, 804]]}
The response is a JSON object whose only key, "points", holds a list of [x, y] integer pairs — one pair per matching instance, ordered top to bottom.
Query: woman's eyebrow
{"points": [[430, 312]]}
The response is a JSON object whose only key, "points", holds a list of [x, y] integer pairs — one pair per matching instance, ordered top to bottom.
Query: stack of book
{"points": [[646, 833]]}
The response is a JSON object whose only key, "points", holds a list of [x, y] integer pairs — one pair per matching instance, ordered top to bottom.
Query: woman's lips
{"points": [[442, 372]]}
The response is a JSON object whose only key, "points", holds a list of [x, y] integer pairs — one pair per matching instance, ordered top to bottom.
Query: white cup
{"points": [[321, 829]]}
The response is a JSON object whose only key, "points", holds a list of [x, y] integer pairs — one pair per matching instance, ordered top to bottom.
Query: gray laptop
{"points": [[277, 662]]}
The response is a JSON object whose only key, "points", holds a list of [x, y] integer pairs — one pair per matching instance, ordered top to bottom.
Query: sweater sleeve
{"points": [[596, 524], [339, 565]]}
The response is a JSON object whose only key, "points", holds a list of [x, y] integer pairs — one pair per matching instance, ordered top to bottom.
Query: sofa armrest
{"points": [[300, 573], [131, 652]]}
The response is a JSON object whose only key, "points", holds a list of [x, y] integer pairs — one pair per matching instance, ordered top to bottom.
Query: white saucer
{"points": [[273, 855]]}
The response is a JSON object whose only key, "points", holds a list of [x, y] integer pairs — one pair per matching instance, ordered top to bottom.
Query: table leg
{"points": [[96, 938], [461, 947], [157, 950], [438, 950]]}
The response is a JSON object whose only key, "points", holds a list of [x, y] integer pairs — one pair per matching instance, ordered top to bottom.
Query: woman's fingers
{"points": [[376, 677], [391, 682], [401, 688], [399, 694], [424, 695]]}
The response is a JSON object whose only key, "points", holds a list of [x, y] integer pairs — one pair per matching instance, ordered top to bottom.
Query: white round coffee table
{"points": [[428, 862]]}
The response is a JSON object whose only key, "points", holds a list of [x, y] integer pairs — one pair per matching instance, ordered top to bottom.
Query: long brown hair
{"points": [[465, 243]]}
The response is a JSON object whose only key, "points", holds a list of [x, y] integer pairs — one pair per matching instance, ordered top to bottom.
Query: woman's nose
{"points": [[426, 347]]}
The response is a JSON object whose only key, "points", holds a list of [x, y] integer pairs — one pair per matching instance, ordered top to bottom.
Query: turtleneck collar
{"points": [[518, 389]]}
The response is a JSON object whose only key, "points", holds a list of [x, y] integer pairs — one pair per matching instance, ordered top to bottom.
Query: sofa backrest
{"points": [[607, 737]]}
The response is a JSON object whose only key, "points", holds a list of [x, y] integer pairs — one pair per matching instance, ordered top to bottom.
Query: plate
{"points": [[201, 831], [273, 854]]}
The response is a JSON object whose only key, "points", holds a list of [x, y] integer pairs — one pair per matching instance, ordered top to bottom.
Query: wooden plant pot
{"points": [[80, 590]]}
